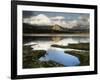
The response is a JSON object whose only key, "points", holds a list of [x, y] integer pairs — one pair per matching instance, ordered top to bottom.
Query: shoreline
{"points": [[69, 35]]}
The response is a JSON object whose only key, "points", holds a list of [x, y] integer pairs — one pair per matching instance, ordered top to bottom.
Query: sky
{"points": [[66, 20]]}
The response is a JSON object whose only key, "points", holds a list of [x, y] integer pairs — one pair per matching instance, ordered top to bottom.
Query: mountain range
{"points": [[55, 28]]}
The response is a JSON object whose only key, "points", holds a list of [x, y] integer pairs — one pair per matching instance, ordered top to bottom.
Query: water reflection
{"points": [[56, 38], [45, 43], [57, 54]]}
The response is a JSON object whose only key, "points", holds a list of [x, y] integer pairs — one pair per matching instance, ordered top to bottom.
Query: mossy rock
{"points": [[38, 53]]}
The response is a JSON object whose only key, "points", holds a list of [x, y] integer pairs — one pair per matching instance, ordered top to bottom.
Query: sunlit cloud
{"points": [[57, 18], [42, 19]]}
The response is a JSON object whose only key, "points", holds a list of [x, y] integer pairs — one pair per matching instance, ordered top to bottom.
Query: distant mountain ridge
{"points": [[27, 28]]}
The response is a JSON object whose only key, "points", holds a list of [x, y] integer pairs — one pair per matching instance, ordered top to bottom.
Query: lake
{"points": [[57, 54]]}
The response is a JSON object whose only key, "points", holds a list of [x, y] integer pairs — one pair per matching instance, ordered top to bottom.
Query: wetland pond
{"points": [[55, 47]]}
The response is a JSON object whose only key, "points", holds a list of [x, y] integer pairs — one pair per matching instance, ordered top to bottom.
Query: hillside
{"points": [[27, 28]]}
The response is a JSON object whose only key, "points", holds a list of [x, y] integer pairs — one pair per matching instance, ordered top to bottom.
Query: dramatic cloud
{"points": [[57, 18], [42, 19], [83, 21]]}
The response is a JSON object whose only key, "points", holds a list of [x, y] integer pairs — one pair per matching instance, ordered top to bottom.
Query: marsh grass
{"points": [[80, 46], [83, 56]]}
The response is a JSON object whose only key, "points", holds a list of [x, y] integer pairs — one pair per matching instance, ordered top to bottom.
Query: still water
{"points": [[57, 54]]}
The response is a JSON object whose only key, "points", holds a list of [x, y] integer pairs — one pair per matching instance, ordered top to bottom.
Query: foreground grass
{"points": [[80, 46], [83, 56], [31, 59]]}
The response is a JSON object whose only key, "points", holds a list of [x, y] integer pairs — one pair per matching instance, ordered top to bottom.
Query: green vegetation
{"points": [[80, 46], [36, 54], [31, 59]]}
